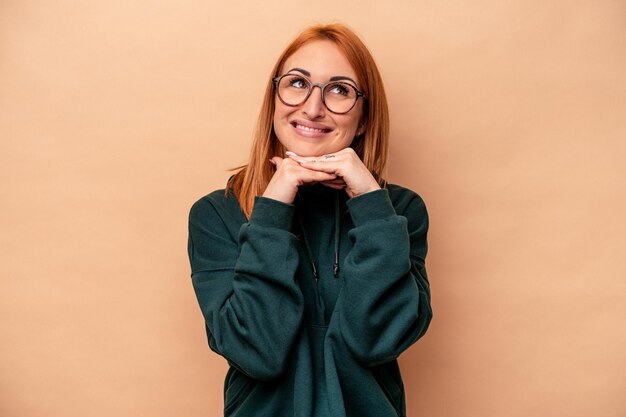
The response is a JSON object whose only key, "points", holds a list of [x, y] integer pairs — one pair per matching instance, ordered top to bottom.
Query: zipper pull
{"points": [[336, 265]]}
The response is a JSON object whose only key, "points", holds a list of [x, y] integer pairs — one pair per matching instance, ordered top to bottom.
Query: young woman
{"points": [[309, 268]]}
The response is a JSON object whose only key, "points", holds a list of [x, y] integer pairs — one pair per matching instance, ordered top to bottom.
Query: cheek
{"points": [[281, 114], [355, 119], [350, 126]]}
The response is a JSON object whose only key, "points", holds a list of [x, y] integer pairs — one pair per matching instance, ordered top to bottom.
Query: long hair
{"points": [[371, 146]]}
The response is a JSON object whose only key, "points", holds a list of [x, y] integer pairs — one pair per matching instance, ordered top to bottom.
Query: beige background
{"points": [[508, 118]]}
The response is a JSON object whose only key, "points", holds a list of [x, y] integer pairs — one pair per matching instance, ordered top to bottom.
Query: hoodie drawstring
{"points": [[337, 221], [337, 237]]}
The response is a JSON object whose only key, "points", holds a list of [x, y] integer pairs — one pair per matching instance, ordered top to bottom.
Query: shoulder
{"points": [[405, 200], [210, 202], [217, 204], [409, 204]]}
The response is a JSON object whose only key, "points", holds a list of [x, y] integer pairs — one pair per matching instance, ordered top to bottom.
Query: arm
{"points": [[245, 285], [386, 297], [384, 304]]}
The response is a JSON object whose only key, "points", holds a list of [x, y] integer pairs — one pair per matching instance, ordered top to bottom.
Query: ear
{"points": [[361, 130]]}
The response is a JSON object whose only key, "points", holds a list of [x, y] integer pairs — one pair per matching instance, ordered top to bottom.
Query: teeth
{"points": [[310, 129]]}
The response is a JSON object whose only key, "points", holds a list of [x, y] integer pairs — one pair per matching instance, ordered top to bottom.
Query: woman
{"points": [[309, 268]]}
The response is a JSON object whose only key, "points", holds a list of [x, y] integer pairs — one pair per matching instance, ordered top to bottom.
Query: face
{"points": [[310, 129]]}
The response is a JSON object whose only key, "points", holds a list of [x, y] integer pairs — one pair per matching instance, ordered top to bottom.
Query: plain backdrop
{"points": [[508, 118]]}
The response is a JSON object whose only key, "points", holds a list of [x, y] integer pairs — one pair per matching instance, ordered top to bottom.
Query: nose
{"points": [[314, 107]]}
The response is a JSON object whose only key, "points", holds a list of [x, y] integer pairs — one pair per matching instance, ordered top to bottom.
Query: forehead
{"points": [[322, 58]]}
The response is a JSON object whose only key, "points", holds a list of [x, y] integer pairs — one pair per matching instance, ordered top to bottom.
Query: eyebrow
{"points": [[335, 78]]}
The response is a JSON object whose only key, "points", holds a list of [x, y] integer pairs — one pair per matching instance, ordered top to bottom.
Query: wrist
{"points": [[369, 190], [279, 194], [270, 212]]}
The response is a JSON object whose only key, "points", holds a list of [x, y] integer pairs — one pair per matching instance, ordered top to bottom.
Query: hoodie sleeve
{"points": [[245, 284], [386, 295]]}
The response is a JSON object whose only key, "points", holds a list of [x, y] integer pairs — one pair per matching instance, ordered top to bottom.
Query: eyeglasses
{"points": [[338, 97]]}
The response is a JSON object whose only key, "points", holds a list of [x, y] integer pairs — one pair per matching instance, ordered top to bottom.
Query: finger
{"points": [[345, 153], [296, 157], [307, 159], [276, 161], [316, 164], [334, 166], [302, 174], [317, 176], [313, 179], [338, 181], [334, 185]]}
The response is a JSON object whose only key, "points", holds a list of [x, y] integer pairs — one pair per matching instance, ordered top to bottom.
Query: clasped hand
{"points": [[339, 170]]}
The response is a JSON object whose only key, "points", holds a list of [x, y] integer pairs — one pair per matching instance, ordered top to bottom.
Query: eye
{"points": [[298, 82], [340, 89]]}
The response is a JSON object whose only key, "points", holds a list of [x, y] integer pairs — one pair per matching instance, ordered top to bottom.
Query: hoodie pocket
{"points": [[237, 387]]}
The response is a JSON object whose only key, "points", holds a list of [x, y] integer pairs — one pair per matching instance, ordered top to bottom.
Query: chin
{"points": [[304, 150], [314, 150], [307, 153]]}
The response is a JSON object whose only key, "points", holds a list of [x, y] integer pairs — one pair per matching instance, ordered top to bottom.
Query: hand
{"points": [[346, 165], [289, 176], [338, 183]]}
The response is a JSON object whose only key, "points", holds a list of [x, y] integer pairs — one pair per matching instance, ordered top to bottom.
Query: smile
{"points": [[311, 129], [308, 130]]}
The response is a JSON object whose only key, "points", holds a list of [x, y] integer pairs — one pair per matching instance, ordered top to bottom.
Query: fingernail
{"points": [[290, 153], [272, 162]]}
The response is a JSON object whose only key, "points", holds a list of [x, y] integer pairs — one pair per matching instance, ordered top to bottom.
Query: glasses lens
{"points": [[293, 89], [340, 97]]}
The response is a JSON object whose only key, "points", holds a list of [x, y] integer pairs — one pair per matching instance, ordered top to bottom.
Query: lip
{"points": [[310, 129]]}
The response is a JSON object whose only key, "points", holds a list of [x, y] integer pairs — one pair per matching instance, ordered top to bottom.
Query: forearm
{"points": [[386, 296], [252, 305]]}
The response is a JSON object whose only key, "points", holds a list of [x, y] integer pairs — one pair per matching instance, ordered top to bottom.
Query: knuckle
{"points": [[289, 166]]}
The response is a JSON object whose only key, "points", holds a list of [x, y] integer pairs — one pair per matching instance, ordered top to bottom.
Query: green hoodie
{"points": [[312, 345]]}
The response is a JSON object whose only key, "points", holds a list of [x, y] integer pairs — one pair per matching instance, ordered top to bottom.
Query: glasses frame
{"points": [[321, 86]]}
